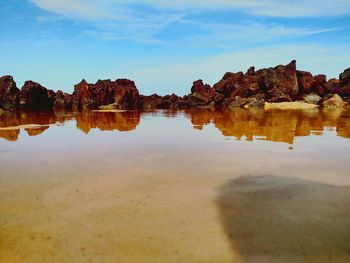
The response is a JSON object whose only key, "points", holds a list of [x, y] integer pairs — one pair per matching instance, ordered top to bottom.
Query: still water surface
{"points": [[175, 186]]}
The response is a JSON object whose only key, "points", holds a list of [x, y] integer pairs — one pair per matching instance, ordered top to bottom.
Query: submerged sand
{"points": [[166, 192]]}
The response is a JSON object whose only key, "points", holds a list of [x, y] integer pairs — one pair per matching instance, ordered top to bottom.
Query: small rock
{"points": [[311, 98], [238, 102], [253, 102], [334, 102], [112, 106]]}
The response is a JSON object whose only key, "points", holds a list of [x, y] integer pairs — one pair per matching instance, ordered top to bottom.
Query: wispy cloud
{"points": [[90, 9], [141, 21], [223, 35]]}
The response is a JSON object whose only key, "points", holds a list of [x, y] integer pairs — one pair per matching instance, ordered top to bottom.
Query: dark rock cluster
{"points": [[283, 83]]}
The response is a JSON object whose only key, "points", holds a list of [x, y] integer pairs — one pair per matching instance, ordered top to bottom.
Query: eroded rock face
{"points": [[279, 83], [8, 93], [33, 96]]}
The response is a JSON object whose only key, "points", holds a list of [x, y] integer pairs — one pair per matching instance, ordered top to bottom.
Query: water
{"points": [[175, 186]]}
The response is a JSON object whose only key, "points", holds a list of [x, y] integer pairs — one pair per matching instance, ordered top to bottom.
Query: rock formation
{"points": [[283, 83]]}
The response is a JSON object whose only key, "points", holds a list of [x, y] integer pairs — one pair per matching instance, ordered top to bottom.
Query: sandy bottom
{"points": [[295, 105], [166, 192]]}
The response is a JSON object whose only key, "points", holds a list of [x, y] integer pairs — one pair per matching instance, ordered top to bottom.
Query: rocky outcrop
{"points": [[280, 83], [283, 83], [344, 83], [8, 93], [122, 93], [34, 96]]}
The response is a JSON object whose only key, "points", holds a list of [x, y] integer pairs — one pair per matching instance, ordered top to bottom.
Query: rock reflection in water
{"points": [[108, 121], [271, 125]]}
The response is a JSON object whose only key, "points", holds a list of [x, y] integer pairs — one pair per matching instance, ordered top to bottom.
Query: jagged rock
{"points": [[250, 71], [345, 76], [344, 79], [305, 80], [279, 83], [237, 84], [319, 84], [332, 86], [199, 87], [122, 92], [8, 93], [201, 94], [33, 95], [311, 98], [168, 101], [59, 102], [150, 102], [334, 102]]}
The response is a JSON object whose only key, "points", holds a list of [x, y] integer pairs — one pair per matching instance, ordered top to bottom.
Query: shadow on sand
{"points": [[284, 219]]}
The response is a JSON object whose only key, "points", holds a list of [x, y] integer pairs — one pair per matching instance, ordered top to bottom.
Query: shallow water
{"points": [[175, 186]]}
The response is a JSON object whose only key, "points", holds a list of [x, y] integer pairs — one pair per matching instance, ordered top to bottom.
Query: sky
{"points": [[165, 45]]}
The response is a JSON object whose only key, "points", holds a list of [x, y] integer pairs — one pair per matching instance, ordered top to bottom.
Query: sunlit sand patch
{"points": [[295, 105]]}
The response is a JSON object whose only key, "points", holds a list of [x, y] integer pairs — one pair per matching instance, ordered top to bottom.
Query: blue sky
{"points": [[165, 45]]}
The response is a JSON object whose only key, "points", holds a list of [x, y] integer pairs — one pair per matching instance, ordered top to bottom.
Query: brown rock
{"points": [[250, 71], [344, 78], [305, 80], [279, 83], [236, 84], [319, 84], [332, 86], [122, 92], [8, 93], [201, 94], [34, 96], [150, 102], [238, 102]]}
